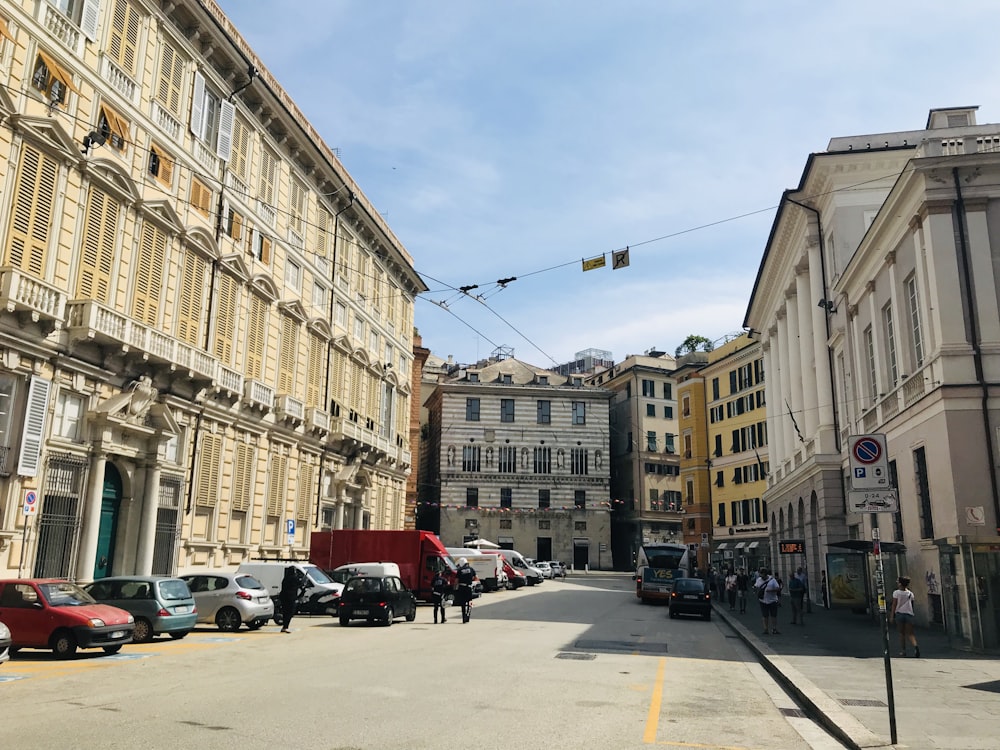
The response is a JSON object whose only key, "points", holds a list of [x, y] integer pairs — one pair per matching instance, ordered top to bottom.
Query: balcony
{"points": [[61, 28], [120, 80], [166, 121], [31, 300], [90, 321], [258, 395], [289, 409], [317, 421], [344, 430], [404, 457]]}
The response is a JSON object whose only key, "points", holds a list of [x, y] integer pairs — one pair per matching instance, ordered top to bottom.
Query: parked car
{"points": [[544, 567], [558, 569], [515, 578], [321, 593], [691, 596], [376, 599], [230, 600], [160, 604], [59, 615], [4, 643]]}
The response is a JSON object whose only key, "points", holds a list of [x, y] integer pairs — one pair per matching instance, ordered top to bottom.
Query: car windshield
{"points": [[315, 574], [248, 582], [365, 585], [689, 585], [174, 589], [65, 594]]}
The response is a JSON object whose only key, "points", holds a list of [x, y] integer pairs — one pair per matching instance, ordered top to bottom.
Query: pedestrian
{"points": [[742, 580], [822, 585], [439, 588], [731, 589], [291, 590], [768, 593], [797, 593], [902, 613]]}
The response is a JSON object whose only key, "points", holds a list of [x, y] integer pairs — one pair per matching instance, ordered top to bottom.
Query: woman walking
{"points": [[902, 613]]}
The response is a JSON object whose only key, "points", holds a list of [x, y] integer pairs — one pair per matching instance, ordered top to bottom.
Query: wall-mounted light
{"points": [[93, 139], [827, 304]]}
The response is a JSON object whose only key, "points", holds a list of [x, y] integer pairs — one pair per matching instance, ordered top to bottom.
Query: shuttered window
{"points": [[123, 39], [169, 79], [239, 161], [161, 165], [268, 165], [201, 197], [296, 217], [31, 218], [324, 225], [100, 231], [149, 274], [226, 300], [191, 302], [256, 338], [289, 353], [317, 368], [337, 379], [357, 386], [374, 396], [402, 415], [34, 426], [242, 477], [306, 477], [207, 480], [277, 484]]}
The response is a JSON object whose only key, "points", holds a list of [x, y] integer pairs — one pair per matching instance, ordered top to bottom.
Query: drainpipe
{"points": [[977, 355]]}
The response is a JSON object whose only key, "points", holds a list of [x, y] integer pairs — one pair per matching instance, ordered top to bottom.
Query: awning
{"points": [[5, 31], [58, 71], [117, 123], [722, 545], [740, 545], [753, 545], [865, 545]]}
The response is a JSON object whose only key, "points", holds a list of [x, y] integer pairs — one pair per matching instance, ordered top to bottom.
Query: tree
{"points": [[694, 343]]}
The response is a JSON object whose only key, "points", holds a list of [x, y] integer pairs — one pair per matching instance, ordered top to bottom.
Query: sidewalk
{"points": [[834, 666]]}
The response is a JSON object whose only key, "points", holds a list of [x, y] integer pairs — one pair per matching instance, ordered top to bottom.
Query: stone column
{"points": [[806, 305], [876, 323], [794, 366], [772, 377], [825, 417], [782, 421], [339, 507], [359, 509], [147, 520], [91, 521]]}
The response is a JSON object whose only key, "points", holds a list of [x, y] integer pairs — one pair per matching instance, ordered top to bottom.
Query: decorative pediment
{"points": [[7, 108], [48, 133], [111, 177], [162, 213], [201, 240], [236, 266], [264, 286], [294, 308], [320, 327], [343, 343], [360, 355], [392, 378], [132, 404]]}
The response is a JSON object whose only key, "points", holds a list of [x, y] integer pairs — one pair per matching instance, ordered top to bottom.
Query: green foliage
{"points": [[694, 343]]}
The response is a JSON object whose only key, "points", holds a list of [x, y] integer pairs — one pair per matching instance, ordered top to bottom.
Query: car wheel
{"points": [[413, 613], [673, 614], [389, 615], [707, 615], [277, 618], [228, 619], [345, 620], [256, 624], [143, 632], [178, 634], [63, 644], [109, 650]]}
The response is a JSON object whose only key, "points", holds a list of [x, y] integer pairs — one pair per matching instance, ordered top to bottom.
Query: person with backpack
{"points": [[768, 591], [797, 592]]}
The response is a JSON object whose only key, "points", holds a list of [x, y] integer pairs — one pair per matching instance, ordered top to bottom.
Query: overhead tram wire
{"points": [[460, 320]]}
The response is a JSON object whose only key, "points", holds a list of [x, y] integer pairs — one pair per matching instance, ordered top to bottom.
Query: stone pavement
{"points": [[834, 666]]}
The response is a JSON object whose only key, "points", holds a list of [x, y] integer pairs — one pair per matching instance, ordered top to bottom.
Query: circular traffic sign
{"points": [[867, 450], [30, 497]]}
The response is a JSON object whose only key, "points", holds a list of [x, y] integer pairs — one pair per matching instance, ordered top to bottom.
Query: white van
{"points": [[516, 559], [489, 568], [344, 573], [321, 597]]}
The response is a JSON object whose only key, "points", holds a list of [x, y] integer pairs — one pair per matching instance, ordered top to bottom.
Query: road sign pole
{"points": [[880, 593]]}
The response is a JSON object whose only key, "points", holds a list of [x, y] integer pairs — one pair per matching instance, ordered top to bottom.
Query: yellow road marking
{"points": [[653, 717]]}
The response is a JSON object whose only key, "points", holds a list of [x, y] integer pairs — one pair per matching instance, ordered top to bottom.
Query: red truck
{"points": [[419, 554]]}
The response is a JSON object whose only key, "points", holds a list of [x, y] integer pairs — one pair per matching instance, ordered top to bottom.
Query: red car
{"points": [[515, 578], [59, 615]]}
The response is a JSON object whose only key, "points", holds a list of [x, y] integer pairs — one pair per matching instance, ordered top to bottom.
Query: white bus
{"points": [[658, 565]]}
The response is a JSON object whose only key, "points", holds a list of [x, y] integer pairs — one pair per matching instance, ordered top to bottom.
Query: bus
{"points": [[658, 565]]}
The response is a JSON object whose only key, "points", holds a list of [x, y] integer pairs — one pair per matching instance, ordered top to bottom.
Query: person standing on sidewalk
{"points": [[742, 581], [731, 589], [797, 593], [902, 613]]}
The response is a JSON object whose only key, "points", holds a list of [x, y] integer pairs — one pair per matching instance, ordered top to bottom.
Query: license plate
{"points": [[663, 589], [690, 596], [263, 599], [182, 609], [361, 612], [118, 634]]}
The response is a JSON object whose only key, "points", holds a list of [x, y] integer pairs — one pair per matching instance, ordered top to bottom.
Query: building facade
{"points": [[877, 306], [205, 327], [519, 455], [645, 464]]}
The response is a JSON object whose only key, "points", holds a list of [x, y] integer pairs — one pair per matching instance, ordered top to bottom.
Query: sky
{"points": [[505, 138]]}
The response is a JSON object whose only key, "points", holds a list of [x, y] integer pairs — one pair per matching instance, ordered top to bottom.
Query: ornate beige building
{"points": [[206, 330]]}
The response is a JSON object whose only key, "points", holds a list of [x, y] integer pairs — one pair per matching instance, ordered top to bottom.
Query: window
{"points": [[123, 37], [169, 78], [51, 79], [212, 118], [113, 128], [160, 165], [201, 197], [297, 205], [234, 224], [260, 246], [293, 276], [319, 296], [913, 303], [341, 316], [359, 330], [869, 340], [373, 341], [890, 344], [473, 377], [506, 379], [543, 380], [649, 388], [715, 389], [668, 391], [686, 406], [472, 410], [506, 410], [650, 410], [544, 412], [579, 412], [668, 412], [69, 416], [651, 441], [668, 442], [718, 446], [471, 458], [507, 459], [542, 460], [578, 461], [720, 481], [923, 493], [472, 497], [506, 497], [543, 498], [580, 499], [722, 515], [897, 517], [506, 523], [544, 524], [579, 525]]}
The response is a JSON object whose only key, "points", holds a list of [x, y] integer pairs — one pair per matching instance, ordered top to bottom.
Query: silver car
{"points": [[230, 600], [4, 643]]}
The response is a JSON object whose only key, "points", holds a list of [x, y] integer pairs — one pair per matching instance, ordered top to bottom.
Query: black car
{"points": [[690, 596], [376, 599]]}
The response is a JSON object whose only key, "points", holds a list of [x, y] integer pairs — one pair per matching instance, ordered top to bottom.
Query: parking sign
{"points": [[869, 462], [30, 502], [290, 528]]}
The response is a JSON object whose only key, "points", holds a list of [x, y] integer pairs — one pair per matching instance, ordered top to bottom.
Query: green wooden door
{"points": [[108, 532]]}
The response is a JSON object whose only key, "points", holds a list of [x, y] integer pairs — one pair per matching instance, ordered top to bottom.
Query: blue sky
{"points": [[500, 138]]}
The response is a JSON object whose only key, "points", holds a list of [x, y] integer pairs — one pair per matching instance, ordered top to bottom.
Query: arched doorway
{"points": [[111, 499]]}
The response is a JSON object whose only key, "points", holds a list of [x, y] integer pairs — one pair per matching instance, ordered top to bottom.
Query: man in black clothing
{"points": [[466, 577], [742, 583], [439, 588]]}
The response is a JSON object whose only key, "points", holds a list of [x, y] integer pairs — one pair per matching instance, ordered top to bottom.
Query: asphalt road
{"points": [[569, 664]]}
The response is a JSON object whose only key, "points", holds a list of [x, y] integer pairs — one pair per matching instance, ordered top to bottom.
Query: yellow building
{"points": [[205, 327], [694, 462]]}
